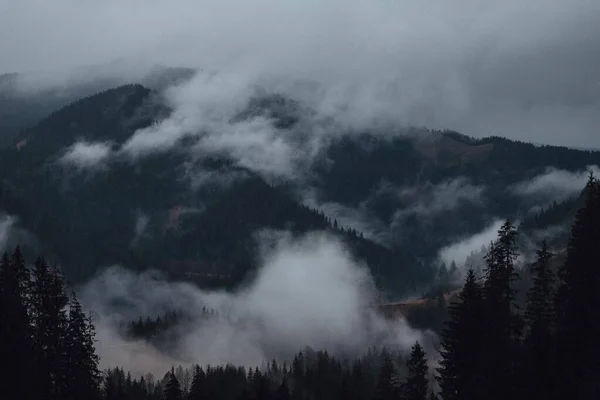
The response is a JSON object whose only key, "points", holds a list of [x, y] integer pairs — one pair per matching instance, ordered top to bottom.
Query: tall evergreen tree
{"points": [[453, 269], [49, 303], [578, 304], [539, 313], [540, 318], [501, 324], [461, 344], [16, 347], [82, 362], [416, 385], [387, 386], [111, 387], [197, 388], [173, 389], [283, 391]]}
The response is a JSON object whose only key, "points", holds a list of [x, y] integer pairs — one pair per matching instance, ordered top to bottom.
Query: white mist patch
{"points": [[200, 106], [207, 107], [86, 154], [555, 184], [431, 199], [359, 218], [6, 225], [12, 234], [460, 250], [309, 292]]}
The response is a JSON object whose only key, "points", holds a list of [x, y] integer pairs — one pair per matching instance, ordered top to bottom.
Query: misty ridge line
{"points": [[476, 68], [251, 142]]}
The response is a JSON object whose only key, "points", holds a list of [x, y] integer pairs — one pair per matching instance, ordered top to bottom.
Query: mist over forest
{"points": [[314, 200]]}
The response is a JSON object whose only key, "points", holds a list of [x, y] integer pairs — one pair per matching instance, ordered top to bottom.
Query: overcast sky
{"points": [[527, 69]]}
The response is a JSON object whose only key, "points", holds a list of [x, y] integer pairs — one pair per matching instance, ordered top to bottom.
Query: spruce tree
{"points": [[453, 269], [578, 304], [539, 313], [540, 319], [50, 322], [501, 324], [461, 344], [17, 355], [82, 362], [416, 384], [262, 386], [387, 386], [197, 388], [173, 389], [111, 391], [283, 391]]}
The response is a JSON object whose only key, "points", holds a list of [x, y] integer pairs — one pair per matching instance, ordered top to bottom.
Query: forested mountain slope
{"points": [[23, 104], [145, 215], [198, 217]]}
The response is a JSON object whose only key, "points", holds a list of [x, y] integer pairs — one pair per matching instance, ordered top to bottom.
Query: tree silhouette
{"points": [[578, 304], [540, 318], [461, 344], [416, 385], [173, 389]]}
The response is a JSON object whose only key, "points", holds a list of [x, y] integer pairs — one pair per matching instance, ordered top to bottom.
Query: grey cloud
{"points": [[527, 70], [206, 108], [85, 155], [554, 184], [431, 199], [423, 201], [347, 217], [6, 224], [140, 229], [12, 234], [461, 249], [470, 252], [309, 291]]}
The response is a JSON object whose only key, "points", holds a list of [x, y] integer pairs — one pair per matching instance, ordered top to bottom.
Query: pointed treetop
{"points": [[591, 177]]}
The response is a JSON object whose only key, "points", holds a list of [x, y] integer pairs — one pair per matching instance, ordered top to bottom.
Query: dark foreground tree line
{"points": [[46, 340], [491, 348], [47, 352], [311, 375]]}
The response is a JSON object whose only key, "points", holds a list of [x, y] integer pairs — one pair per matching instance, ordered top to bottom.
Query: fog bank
{"points": [[308, 292]]}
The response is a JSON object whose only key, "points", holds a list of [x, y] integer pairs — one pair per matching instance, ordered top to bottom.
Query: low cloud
{"points": [[528, 70], [208, 108], [86, 155], [554, 184], [432, 199], [423, 201], [360, 218], [6, 225], [141, 226], [12, 234], [461, 250], [308, 292]]}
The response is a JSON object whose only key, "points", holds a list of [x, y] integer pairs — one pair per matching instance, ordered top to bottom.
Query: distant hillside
{"points": [[22, 108], [472, 179], [423, 190], [207, 235]]}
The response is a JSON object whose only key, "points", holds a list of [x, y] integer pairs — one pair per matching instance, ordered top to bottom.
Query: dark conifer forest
{"points": [[491, 347]]}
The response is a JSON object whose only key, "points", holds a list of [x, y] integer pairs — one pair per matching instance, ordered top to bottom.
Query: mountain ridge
{"points": [[426, 188]]}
